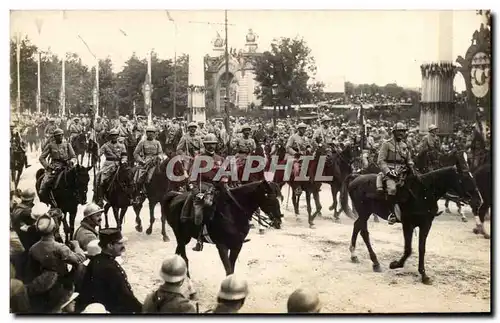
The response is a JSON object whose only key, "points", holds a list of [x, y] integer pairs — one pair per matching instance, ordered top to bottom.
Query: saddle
{"points": [[205, 198]]}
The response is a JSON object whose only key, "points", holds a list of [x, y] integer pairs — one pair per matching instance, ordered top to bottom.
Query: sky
{"points": [[358, 46]]}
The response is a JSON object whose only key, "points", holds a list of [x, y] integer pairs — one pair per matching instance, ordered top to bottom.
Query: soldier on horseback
{"points": [[75, 129], [124, 130], [49, 131], [324, 134], [190, 144], [17, 145], [244, 145], [297, 145], [431, 145], [115, 153], [147, 153], [61, 154], [392, 156], [203, 188]]}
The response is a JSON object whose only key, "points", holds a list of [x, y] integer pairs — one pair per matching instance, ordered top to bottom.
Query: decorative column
{"points": [[196, 89], [437, 103]]}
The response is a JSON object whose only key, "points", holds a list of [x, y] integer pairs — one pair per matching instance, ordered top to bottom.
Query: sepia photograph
{"points": [[250, 161]]}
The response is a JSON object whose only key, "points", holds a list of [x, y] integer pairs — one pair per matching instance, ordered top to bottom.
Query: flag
{"points": [[169, 16], [123, 32]]}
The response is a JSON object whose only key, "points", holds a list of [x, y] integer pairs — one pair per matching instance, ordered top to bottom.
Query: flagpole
{"points": [[18, 58], [63, 86], [97, 88], [39, 91], [147, 91]]}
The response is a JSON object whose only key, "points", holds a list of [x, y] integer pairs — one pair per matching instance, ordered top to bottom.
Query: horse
{"points": [[32, 138], [79, 144], [16, 165], [482, 176], [156, 189], [68, 190], [118, 194], [417, 199], [230, 225]]}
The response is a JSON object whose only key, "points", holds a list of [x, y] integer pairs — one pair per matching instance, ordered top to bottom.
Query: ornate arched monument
{"points": [[241, 76]]}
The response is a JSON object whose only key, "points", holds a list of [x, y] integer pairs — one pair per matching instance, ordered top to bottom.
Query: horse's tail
{"points": [[344, 193]]}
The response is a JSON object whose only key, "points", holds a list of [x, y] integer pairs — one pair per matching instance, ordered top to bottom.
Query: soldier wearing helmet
{"points": [[75, 129], [124, 130], [201, 131], [324, 133], [190, 144], [244, 145], [297, 145], [431, 146], [115, 153], [61, 154], [148, 154], [393, 154], [205, 187], [22, 217], [87, 231], [232, 295], [169, 297], [303, 301]]}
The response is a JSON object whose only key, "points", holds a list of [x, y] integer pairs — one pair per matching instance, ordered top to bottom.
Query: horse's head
{"points": [[125, 175], [80, 181], [467, 184], [269, 199]]}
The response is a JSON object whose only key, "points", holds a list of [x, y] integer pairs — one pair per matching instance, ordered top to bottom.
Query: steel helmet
{"points": [[326, 118], [192, 124], [302, 125], [399, 126], [246, 127], [432, 127], [151, 129], [114, 131], [57, 132], [210, 139], [28, 195], [91, 209], [38, 210], [45, 224], [173, 270], [233, 288], [303, 301]]}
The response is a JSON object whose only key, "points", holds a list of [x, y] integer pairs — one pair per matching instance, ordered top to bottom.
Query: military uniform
{"points": [[75, 129], [124, 133], [325, 134], [194, 144], [297, 144], [244, 147], [114, 152], [147, 152], [392, 154], [60, 155], [84, 234], [105, 282], [168, 299]]}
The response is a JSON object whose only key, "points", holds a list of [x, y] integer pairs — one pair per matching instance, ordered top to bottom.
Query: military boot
{"points": [[25, 158], [393, 217]]}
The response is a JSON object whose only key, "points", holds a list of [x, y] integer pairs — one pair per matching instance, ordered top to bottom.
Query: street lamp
{"points": [[275, 96]]}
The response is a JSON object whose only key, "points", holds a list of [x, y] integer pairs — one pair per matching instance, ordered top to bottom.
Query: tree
{"points": [[288, 65], [28, 71], [79, 84], [107, 85], [317, 91]]}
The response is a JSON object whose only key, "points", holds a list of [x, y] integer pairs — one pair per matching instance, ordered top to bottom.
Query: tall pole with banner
{"points": [[38, 23], [18, 59], [147, 89]]}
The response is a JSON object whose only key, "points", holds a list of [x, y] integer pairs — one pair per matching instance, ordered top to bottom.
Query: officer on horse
{"points": [[75, 129], [190, 144], [298, 144], [17, 145], [244, 145], [432, 147], [115, 152], [147, 153], [61, 154], [393, 155], [203, 190]]}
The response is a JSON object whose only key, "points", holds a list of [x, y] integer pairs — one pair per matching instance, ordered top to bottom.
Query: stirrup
{"points": [[392, 219]]}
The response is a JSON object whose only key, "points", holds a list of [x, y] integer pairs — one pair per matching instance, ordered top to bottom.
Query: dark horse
{"points": [[79, 144], [16, 165], [482, 176], [156, 189], [69, 190], [119, 191], [417, 199], [231, 221]]}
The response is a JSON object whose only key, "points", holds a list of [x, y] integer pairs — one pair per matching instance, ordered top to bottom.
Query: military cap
{"points": [[192, 124], [301, 125], [246, 126], [399, 126], [432, 127], [151, 129], [58, 132], [210, 139], [28, 195], [91, 209], [38, 210], [45, 224], [110, 235]]}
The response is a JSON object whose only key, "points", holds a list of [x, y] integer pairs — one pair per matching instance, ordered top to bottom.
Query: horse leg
{"points": [[333, 189], [295, 202], [317, 202], [446, 205], [106, 209], [122, 216], [117, 217], [151, 217], [310, 218], [375, 218], [464, 218], [138, 222], [65, 228], [479, 229], [355, 230], [163, 231], [407, 232], [423, 232], [366, 238], [181, 251], [233, 256], [224, 257]]}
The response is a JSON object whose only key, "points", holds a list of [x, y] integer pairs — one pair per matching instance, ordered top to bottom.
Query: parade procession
{"points": [[219, 151]]}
